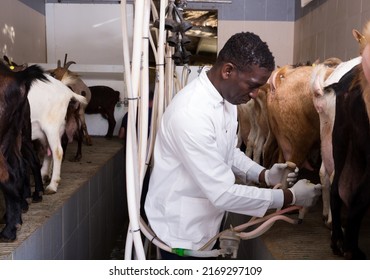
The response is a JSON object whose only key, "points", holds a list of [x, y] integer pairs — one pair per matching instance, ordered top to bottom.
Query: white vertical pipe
{"points": [[160, 63], [169, 75], [144, 92], [131, 144]]}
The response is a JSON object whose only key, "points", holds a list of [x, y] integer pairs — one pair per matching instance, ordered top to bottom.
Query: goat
{"points": [[75, 82], [14, 88], [324, 100], [103, 101], [49, 102], [291, 114], [254, 127], [73, 129], [28, 152], [351, 154]]}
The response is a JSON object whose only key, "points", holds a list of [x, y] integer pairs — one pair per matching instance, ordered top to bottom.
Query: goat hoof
{"points": [[88, 141], [50, 190], [37, 197], [326, 221], [8, 235], [6, 240]]}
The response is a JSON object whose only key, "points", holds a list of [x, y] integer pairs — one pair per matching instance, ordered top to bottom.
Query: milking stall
{"points": [[90, 201]]}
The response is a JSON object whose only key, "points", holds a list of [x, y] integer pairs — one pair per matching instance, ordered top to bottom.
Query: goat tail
{"points": [[31, 74], [317, 79], [79, 98]]}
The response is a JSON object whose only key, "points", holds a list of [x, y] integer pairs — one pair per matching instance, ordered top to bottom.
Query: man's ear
{"points": [[227, 69]]}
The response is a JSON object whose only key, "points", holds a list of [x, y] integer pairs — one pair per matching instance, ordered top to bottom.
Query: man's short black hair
{"points": [[244, 49]]}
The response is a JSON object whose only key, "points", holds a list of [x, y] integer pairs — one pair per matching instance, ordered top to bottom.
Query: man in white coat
{"points": [[196, 160]]}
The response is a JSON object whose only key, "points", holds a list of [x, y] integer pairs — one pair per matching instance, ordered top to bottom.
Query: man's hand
{"points": [[275, 175], [305, 193]]}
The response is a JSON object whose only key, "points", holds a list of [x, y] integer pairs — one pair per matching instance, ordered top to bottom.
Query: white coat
{"points": [[192, 183]]}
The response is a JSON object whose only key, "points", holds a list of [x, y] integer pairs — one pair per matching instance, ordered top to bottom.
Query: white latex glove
{"points": [[275, 175], [305, 193]]}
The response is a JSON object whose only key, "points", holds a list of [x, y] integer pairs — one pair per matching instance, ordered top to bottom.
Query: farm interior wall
{"points": [[323, 29], [90, 33], [23, 36]]}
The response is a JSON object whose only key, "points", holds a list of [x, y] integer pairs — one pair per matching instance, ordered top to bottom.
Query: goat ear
{"points": [[356, 34], [359, 38], [6, 59], [317, 61], [272, 80]]}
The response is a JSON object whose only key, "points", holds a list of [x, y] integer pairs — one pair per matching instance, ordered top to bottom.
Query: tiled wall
{"points": [[273, 21], [324, 29], [320, 30], [87, 225]]}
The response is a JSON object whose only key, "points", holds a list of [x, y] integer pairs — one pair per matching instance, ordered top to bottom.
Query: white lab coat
{"points": [[192, 183]]}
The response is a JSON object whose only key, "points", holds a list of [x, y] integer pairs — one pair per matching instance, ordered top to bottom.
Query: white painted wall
{"points": [[22, 35], [91, 35], [278, 35]]}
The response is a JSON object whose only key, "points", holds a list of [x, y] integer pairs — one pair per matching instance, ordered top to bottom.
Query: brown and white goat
{"points": [[74, 81], [14, 88], [49, 102], [292, 117], [253, 126], [348, 164]]}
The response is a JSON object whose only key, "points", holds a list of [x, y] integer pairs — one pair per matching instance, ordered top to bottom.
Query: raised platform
{"points": [[82, 220], [309, 240]]}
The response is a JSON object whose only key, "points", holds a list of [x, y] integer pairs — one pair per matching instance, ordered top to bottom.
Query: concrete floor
{"points": [[307, 241]]}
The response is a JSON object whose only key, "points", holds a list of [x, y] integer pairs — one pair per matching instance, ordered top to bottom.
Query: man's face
{"points": [[244, 85]]}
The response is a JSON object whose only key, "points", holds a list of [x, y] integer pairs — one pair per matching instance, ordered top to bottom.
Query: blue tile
{"points": [[255, 10], [279, 10], [234, 11], [94, 189], [83, 202], [70, 213], [94, 228], [52, 236], [34, 246], [71, 247], [83, 247], [31, 248], [20, 252]]}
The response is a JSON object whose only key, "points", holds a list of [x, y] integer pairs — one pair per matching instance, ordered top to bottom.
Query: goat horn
{"points": [[65, 60], [58, 63], [69, 64]]}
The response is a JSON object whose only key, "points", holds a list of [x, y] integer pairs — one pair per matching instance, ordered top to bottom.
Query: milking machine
{"points": [[169, 29]]}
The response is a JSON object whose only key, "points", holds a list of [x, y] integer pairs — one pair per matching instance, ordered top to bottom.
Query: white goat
{"points": [[324, 101], [49, 102]]}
